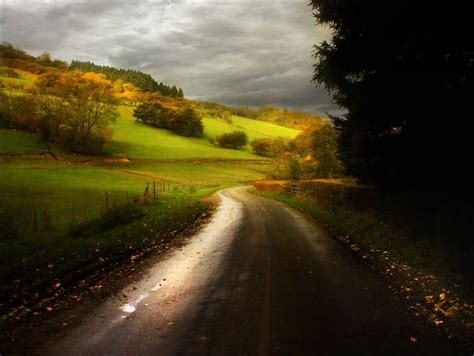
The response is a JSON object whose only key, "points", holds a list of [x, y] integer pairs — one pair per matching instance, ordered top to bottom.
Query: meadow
{"points": [[254, 129], [46, 194]]}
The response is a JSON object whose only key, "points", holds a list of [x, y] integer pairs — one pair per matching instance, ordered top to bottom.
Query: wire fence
{"points": [[31, 212]]}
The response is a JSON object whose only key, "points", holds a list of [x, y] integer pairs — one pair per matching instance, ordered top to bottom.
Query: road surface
{"points": [[259, 279]]}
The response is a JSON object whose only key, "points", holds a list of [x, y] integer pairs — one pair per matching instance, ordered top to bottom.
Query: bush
{"points": [[18, 112], [152, 114], [187, 123], [234, 140], [262, 146], [295, 169], [120, 215]]}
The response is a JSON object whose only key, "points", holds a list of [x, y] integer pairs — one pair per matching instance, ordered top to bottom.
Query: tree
{"points": [[45, 59], [401, 69], [76, 109], [17, 111], [152, 114], [227, 116], [187, 123], [234, 140], [268, 147], [324, 152], [295, 169]]}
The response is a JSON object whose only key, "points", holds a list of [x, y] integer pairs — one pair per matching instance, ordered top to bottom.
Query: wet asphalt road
{"points": [[259, 279]]}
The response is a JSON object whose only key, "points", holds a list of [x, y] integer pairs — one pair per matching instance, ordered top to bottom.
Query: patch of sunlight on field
{"points": [[253, 128], [140, 141]]}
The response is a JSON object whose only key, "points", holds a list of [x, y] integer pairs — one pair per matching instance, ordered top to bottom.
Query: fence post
{"points": [[154, 190], [126, 196]]}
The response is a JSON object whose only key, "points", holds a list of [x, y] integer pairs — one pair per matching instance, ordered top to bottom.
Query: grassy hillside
{"points": [[24, 78], [253, 128], [144, 142]]}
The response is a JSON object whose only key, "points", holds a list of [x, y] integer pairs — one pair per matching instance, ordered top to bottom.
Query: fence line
{"points": [[34, 213]]}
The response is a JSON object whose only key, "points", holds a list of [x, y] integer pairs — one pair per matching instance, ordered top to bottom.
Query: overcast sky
{"points": [[244, 53]]}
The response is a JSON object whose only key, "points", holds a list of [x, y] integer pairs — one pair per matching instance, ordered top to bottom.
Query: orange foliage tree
{"points": [[76, 109]]}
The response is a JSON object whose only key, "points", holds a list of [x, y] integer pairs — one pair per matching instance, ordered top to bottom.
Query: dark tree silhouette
{"points": [[404, 72]]}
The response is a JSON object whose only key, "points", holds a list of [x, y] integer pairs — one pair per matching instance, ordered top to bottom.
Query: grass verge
{"points": [[36, 272]]}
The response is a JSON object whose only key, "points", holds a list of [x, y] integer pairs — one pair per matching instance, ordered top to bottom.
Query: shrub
{"points": [[18, 112], [152, 114], [227, 116], [183, 123], [187, 123], [234, 140], [262, 146], [295, 169]]}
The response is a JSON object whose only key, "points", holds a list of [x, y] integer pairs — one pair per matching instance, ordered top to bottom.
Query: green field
{"points": [[25, 78], [253, 128], [135, 140], [38, 191], [72, 193]]}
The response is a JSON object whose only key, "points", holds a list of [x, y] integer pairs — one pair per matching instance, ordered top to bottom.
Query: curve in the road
{"points": [[260, 278]]}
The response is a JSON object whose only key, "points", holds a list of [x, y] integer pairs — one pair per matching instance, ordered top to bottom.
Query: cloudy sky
{"points": [[244, 53]]}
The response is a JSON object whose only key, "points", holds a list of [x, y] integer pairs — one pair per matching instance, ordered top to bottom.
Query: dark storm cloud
{"points": [[239, 53]]}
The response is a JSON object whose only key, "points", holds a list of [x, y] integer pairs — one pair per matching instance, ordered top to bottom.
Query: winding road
{"points": [[259, 279]]}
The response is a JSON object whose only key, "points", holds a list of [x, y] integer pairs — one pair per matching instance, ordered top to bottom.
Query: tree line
{"points": [[11, 56], [141, 80], [283, 117]]}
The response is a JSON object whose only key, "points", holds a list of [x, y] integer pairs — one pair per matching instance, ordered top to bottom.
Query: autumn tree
{"points": [[76, 109], [17, 111], [227, 116], [325, 152]]}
